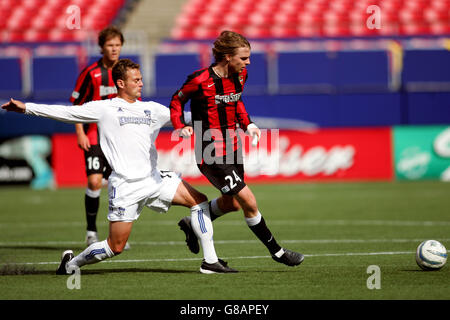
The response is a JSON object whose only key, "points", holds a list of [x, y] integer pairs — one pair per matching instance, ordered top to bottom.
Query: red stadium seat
{"points": [[431, 15], [311, 18], [31, 20], [440, 28], [414, 29], [336, 30], [278, 31], [257, 32], [205, 33], [182, 34], [33, 35], [14, 36]]}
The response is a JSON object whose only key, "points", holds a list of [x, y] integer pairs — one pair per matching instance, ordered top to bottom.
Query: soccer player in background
{"points": [[96, 83], [216, 107], [128, 130]]}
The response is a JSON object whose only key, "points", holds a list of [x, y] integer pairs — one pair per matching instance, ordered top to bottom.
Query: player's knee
{"points": [[95, 181], [95, 184], [117, 248]]}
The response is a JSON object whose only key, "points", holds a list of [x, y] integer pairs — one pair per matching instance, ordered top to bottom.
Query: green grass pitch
{"points": [[342, 228]]}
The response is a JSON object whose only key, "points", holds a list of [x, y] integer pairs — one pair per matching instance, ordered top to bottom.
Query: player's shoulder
{"points": [[90, 68], [200, 75], [152, 105]]}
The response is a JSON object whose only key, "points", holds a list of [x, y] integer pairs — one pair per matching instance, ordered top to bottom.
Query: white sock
{"points": [[93, 193], [215, 208], [254, 221], [202, 226], [96, 252], [279, 253]]}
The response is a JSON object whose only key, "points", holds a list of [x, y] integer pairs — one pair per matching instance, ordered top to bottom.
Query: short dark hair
{"points": [[108, 33], [227, 43], [119, 71]]}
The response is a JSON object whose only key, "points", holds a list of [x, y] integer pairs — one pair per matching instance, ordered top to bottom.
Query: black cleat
{"points": [[191, 238], [66, 257], [290, 258], [217, 267]]}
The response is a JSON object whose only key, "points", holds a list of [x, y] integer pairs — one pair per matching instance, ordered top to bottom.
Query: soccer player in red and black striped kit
{"points": [[96, 83], [216, 107]]}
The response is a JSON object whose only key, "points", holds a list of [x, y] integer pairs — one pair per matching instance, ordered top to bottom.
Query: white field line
{"points": [[296, 222], [183, 243], [13, 244], [240, 257]]}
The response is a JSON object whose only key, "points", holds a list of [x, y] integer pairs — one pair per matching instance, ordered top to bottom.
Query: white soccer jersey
{"points": [[124, 128]]}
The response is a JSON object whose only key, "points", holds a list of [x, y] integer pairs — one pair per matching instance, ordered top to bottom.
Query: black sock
{"points": [[91, 205], [263, 233]]}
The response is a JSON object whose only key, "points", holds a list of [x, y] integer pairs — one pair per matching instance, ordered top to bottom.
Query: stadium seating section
{"points": [[311, 18], [48, 20], [315, 69]]}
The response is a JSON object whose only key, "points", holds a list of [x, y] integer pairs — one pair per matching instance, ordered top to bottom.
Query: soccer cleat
{"points": [[91, 237], [191, 238], [65, 257], [290, 258], [217, 267]]}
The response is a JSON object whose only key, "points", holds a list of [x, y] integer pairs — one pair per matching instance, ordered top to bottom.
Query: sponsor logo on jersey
{"points": [[107, 90], [227, 98], [135, 120]]}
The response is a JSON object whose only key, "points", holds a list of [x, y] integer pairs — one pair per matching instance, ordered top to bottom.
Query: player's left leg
{"points": [[257, 224], [119, 231]]}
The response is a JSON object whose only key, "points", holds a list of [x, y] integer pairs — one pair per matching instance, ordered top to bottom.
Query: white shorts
{"points": [[127, 199]]}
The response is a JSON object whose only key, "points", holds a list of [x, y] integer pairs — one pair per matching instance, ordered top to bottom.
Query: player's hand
{"points": [[14, 106], [186, 132], [254, 132], [83, 142]]}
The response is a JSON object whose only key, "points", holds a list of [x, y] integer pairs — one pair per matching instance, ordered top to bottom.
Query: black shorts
{"points": [[96, 162], [228, 178]]}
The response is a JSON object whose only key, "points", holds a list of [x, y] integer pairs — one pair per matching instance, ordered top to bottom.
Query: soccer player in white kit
{"points": [[128, 130]]}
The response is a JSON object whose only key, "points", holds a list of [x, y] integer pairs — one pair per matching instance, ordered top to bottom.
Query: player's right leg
{"points": [[200, 226], [98, 251]]}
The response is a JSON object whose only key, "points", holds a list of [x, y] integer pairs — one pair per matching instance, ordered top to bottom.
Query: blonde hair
{"points": [[227, 43]]}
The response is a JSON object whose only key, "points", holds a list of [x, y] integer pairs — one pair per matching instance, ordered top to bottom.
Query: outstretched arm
{"points": [[14, 106], [85, 114]]}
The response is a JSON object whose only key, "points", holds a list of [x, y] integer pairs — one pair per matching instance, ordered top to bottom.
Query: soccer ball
{"points": [[431, 255]]}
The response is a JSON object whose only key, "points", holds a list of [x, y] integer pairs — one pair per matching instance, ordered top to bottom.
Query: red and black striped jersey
{"points": [[95, 82], [216, 102]]}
